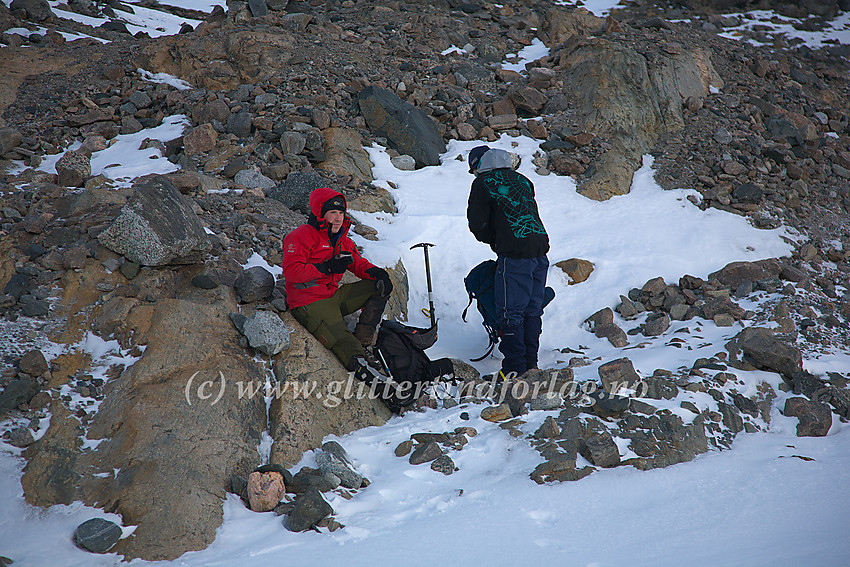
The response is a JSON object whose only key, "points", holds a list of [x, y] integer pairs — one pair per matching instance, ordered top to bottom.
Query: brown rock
{"points": [[200, 140], [577, 269], [33, 363], [618, 374], [496, 413], [815, 417], [404, 448], [265, 490]]}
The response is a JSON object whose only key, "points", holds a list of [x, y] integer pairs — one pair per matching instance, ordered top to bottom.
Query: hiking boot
{"points": [[365, 334], [373, 361], [364, 371]]}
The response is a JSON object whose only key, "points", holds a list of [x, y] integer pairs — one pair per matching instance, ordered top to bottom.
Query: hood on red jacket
{"points": [[320, 196]]}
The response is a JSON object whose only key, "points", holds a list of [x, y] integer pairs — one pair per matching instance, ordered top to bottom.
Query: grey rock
{"points": [[258, 8], [140, 100], [239, 124], [407, 129], [292, 143], [404, 163], [74, 168], [253, 179], [295, 191], [748, 193], [157, 227], [130, 269], [205, 281], [254, 284], [18, 285], [32, 306], [627, 308], [238, 320], [656, 324], [266, 332], [660, 388], [547, 401], [746, 405], [731, 418], [549, 429], [21, 437], [330, 463], [443, 464], [309, 509], [97, 535]]}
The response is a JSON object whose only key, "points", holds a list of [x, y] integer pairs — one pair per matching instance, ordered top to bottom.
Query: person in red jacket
{"points": [[315, 256]]}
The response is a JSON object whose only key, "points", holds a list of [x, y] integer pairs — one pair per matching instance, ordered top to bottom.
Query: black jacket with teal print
{"points": [[502, 211]]}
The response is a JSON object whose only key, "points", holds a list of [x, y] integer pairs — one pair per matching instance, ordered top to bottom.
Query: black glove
{"points": [[336, 265], [382, 280]]}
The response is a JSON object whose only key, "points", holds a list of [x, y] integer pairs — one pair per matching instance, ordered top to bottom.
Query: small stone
{"points": [[404, 162], [724, 320], [547, 401], [497, 413], [21, 437], [404, 448], [425, 453], [443, 464], [265, 490], [97, 535]]}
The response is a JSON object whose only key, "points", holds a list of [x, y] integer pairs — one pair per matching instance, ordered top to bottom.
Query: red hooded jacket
{"points": [[310, 244]]}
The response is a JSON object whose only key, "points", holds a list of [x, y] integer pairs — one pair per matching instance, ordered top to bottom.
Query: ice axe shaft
{"points": [[425, 246]]}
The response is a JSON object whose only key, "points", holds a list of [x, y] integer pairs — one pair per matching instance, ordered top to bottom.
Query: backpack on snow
{"points": [[480, 284], [402, 350]]}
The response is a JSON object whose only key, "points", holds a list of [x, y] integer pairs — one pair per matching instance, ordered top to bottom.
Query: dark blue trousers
{"points": [[520, 285]]}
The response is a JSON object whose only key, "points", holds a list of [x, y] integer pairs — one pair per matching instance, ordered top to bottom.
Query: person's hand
{"points": [[336, 265], [382, 280]]}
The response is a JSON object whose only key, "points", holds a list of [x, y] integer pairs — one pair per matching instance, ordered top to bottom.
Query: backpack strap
{"points": [[463, 315]]}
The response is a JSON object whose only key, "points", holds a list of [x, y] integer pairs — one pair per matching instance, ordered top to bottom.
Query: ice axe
{"points": [[425, 246]]}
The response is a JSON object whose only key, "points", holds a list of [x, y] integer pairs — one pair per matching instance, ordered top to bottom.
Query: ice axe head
{"points": [[424, 245]]}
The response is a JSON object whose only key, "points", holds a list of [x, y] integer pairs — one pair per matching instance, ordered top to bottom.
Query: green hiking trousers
{"points": [[323, 318]]}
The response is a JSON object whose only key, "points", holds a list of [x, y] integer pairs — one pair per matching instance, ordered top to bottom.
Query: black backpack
{"points": [[480, 284], [402, 350]]}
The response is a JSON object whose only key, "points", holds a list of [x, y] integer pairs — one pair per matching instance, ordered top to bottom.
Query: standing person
{"points": [[502, 212], [315, 256]]}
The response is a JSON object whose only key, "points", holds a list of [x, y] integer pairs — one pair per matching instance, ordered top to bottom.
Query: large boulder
{"points": [[33, 10], [622, 97], [407, 129], [157, 226], [759, 347], [316, 397], [172, 429]]}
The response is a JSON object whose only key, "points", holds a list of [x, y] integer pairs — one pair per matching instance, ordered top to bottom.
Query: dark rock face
{"points": [[407, 129], [295, 191], [157, 226], [254, 284], [16, 393], [815, 417]]}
